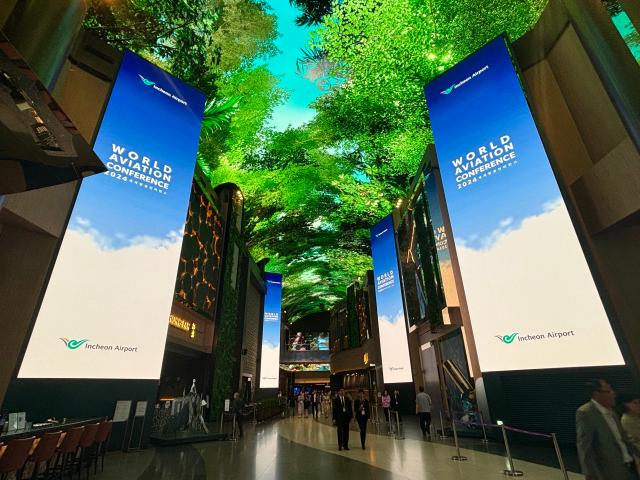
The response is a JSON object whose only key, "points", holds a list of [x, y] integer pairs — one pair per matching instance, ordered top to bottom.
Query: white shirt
{"points": [[613, 426]]}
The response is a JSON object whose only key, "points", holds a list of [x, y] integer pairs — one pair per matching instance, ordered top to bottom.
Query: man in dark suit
{"points": [[315, 403], [395, 404], [361, 407], [342, 415], [603, 449]]}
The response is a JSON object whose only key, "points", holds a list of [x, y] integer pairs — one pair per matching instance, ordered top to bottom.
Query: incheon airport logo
{"points": [[146, 81], [152, 84], [459, 84], [447, 91], [507, 338], [73, 344]]}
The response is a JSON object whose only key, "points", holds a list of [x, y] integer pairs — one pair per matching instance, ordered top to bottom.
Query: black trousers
{"points": [[315, 410], [425, 422], [239, 423], [362, 423], [343, 433]]}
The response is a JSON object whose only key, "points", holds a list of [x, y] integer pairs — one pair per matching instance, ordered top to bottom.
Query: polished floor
{"points": [[303, 448]]}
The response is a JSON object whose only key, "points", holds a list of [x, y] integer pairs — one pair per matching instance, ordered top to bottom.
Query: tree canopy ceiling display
{"points": [[312, 190]]}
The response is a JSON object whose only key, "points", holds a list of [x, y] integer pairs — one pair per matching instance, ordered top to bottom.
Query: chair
{"points": [[87, 441], [102, 442], [67, 451], [44, 453], [15, 456]]}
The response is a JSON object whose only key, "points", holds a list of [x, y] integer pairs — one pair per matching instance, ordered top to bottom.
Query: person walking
{"points": [[315, 403], [386, 403], [395, 403], [300, 404], [307, 404], [327, 404], [629, 406], [238, 409], [423, 410], [363, 412], [342, 415], [603, 450]]}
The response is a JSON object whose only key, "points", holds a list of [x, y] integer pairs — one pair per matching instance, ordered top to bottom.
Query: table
{"points": [[42, 429]]}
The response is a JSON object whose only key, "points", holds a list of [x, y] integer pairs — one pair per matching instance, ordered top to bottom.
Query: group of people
{"points": [[314, 403], [344, 410], [608, 433]]}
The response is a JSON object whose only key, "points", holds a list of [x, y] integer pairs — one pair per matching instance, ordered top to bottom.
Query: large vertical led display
{"points": [[441, 238], [532, 300], [105, 311], [394, 348], [270, 358]]}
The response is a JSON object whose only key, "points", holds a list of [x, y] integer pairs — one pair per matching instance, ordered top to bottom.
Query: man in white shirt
{"points": [[423, 410], [602, 446]]}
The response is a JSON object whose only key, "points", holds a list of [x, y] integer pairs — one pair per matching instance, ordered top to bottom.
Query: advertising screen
{"points": [[442, 244], [532, 300], [105, 311], [394, 348], [270, 358]]}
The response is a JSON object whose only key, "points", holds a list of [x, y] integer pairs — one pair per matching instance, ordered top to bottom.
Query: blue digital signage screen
{"points": [[441, 234], [531, 297], [106, 308], [394, 348], [270, 357]]}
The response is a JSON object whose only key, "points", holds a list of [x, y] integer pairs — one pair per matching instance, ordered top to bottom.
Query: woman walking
{"points": [[300, 404], [386, 404]]}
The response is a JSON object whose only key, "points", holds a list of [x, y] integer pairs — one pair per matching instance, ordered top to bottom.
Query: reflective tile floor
{"points": [[302, 448]]}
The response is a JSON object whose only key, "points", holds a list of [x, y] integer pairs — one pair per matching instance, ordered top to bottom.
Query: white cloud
{"points": [[534, 279], [109, 296], [394, 348], [269, 365]]}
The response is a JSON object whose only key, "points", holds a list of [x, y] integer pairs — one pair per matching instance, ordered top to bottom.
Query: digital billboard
{"points": [[441, 238], [532, 300], [105, 311], [394, 348], [270, 358]]}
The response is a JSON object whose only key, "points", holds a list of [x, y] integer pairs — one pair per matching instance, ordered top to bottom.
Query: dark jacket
{"points": [[395, 403], [237, 406], [359, 406], [340, 415]]}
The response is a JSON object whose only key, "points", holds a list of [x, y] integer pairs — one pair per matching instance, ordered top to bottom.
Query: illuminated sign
{"points": [[114, 279], [531, 297], [182, 324], [270, 358], [365, 358], [396, 366]]}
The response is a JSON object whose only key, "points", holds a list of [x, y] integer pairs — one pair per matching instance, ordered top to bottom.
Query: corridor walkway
{"points": [[304, 449]]}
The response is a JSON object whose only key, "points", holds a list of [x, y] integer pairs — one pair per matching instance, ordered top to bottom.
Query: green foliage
{"points": [[312, 11], [218, 113], [311, 193], [227, 336]]}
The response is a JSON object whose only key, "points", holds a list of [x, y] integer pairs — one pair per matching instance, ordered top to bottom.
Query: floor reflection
{"points": [[170, 463]]}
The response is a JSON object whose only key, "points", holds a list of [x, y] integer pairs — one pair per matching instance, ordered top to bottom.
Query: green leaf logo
{"points": [[146, 81], [447, 91], [507, 338], [73, 344]]}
